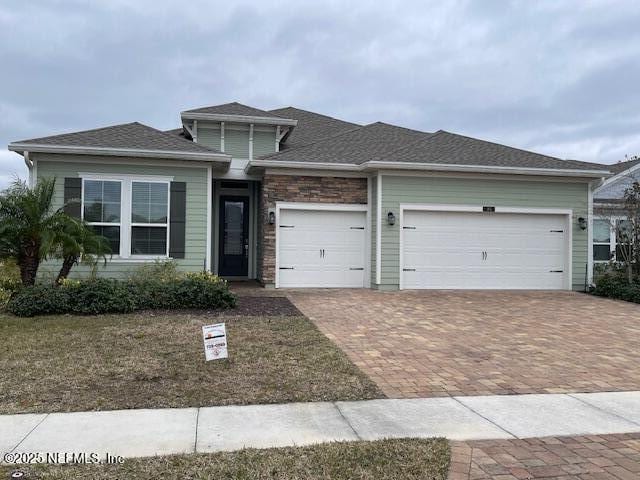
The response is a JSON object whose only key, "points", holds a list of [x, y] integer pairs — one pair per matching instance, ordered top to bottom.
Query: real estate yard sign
{"points": [[215, 341]]}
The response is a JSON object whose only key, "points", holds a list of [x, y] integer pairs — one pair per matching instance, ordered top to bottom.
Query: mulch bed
{"points": [[246, 307], [264, 307]]}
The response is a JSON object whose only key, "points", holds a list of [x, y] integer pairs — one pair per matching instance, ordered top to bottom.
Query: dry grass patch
{"points": [[68, 363], [405, 459]]}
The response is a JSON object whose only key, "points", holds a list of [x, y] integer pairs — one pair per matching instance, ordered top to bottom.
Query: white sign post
{"points": [[215, 341]]}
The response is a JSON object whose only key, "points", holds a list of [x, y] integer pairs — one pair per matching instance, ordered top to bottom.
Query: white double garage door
{"points": [[438, 249]]}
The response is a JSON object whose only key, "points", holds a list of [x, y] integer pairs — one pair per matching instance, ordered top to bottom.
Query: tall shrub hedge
{"points": [[616, 285]]}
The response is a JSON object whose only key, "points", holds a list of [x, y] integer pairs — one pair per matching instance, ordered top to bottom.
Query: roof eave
{"points": [[219, 117], [220, 159], [254, 164], [377, 165], [566, 172]]}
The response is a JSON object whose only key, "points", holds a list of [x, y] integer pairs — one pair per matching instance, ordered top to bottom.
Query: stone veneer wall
{"points": [[290, 188]]}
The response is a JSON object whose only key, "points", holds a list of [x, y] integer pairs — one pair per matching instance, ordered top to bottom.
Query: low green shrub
{"points": [[616, 285], [193, 290], [100, 295], [97, 296], [90, 297], [39, 300]]}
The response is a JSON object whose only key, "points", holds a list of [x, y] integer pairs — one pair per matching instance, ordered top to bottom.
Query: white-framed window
{"points": [[102, 209], [132, 212], [149, 218], [610, 239], [602, 244]]}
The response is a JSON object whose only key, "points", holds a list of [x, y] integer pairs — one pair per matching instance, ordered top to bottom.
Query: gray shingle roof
{"points": [[234, 108], [311, 126], [134, 136], [388, 143], [354, 146], [449, 148], [622, 166]]}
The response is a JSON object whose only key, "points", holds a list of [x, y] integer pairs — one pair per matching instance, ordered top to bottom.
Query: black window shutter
{"points": [[72, 194], [178, 219]]}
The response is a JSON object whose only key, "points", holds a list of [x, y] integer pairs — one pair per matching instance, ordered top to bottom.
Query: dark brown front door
{"points": [[234, 236]]}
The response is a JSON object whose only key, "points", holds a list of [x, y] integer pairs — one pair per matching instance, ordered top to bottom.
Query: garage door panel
{"points": [[321, 248], [446, 250]]}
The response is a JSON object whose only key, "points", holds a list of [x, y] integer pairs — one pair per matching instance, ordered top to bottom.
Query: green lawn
{"points": [[68, 363], [405, 459]]}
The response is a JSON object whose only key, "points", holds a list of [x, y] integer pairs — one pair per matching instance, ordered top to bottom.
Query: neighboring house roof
{"points": [[233, 108], [311, 126], [129, 138], [381, 143], [354, 146], [622, 166], [612, 190]]}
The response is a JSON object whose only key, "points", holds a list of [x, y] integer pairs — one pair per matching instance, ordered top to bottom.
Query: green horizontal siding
{"points": [[209, 137], [236, 142], [264, 142], [54, 166], [505, 193]]}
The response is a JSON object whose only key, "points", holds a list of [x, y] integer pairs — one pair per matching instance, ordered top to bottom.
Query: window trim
{"points": [[126, 184], [102, 224], [156, 225], [613, 240]]}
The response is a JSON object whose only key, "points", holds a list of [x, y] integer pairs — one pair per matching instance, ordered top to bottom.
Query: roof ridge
{"points": [[261, 110], [314, 113], [399, 126], [80, 131], [139, 132], [428, 136], [181, 139], [506, 146]]}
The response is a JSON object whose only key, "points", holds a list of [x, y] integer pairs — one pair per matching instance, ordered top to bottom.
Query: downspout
{"points": [[29, 164]]}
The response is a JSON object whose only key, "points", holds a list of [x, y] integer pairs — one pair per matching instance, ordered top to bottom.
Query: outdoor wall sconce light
{"points": [[272, 217], [391, 218], [582, 223]]}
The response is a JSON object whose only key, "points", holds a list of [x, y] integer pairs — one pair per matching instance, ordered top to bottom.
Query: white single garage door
{"points": [[321, 248], [465, 250]]}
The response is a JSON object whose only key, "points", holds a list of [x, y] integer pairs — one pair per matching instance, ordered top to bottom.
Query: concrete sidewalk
{"points": [[138, 433]]}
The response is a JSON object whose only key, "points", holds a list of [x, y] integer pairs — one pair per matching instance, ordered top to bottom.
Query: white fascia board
{"points": [[218, 117], [221, 158], [304, 165], [374, 166], [484, 169]]}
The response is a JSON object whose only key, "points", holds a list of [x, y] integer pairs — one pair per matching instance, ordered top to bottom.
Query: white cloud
{"points": [[560, 77], [11, 166]]}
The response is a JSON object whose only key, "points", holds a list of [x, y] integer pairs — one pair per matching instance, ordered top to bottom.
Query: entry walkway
{"points": [[138, 433]]}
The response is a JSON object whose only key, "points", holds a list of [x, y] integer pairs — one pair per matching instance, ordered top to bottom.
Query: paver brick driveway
{"points": [[437, 343], [593, 457]]}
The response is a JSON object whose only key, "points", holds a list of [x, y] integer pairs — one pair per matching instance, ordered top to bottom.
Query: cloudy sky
{"points": [[562, 78]]}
